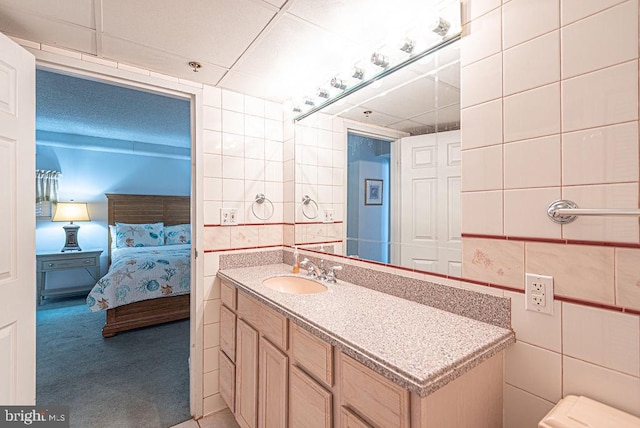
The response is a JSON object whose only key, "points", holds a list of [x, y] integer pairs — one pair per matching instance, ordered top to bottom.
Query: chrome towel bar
{"points": [[564, 211]]}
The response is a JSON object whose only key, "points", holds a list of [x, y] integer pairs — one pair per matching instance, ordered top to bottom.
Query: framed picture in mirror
{"points": [[372, 191]]}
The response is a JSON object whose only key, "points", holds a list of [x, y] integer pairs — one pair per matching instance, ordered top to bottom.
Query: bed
{"points": [[157, 277]]}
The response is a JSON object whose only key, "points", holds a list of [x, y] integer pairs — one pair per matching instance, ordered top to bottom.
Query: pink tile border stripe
{"points": [[553, 241]]}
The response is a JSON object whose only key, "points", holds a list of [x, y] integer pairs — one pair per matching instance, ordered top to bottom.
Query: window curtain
{"points": [[47, 186]]}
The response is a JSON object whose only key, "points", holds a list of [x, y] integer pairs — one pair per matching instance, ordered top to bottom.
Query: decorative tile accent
{"points": [[495, 261], [579, 271], [628, 277]]}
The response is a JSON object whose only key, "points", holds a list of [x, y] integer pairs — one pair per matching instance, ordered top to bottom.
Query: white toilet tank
{"points": [[581, 412]]}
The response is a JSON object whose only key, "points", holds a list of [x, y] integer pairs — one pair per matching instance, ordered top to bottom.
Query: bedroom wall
{"points": [[549, 110], [86, 176]]}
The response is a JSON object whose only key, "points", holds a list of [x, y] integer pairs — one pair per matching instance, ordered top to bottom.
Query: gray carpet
{"points": [[136, 379]]}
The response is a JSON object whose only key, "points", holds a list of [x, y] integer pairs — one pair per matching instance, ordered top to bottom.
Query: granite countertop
{"points": [[416, 346]]}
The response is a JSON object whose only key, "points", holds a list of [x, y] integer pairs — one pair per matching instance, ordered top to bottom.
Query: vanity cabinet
{"points": [[227, 352], [278, 374], [246, 375], [274, 382], [372, 396], [310, 405]]}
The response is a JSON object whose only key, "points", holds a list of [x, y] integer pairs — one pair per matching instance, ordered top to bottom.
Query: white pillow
{"points": [[112, 234], [178, 234], [139, 235]]}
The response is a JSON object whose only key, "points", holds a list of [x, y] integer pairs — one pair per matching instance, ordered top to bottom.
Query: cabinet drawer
{"points": [[69, 264], [228, 294], [272, 324], [228, 332], [313, 354], [227, 381], [372, 396], [309, 403], [351, 420]]}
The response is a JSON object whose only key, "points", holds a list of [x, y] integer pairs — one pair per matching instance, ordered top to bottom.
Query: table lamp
{"points": [[71, 211]]}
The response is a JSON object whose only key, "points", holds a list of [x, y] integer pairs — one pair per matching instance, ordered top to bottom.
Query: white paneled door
{"points": [[430, 202], [17, 224]]}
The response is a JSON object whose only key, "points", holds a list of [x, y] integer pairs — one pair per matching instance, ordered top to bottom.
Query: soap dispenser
{"points": [[296, 260]]}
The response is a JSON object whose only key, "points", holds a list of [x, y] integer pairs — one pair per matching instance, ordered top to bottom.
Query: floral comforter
{"points": [[142, 273]]}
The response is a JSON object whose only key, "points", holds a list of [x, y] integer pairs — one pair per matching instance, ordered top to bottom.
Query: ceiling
{"points": [[272, 49], [68, 106]]}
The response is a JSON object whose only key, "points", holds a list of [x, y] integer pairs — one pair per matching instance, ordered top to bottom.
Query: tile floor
{"points": [[222, 419]]}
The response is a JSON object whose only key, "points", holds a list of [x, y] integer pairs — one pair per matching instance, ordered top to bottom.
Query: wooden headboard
{"points": [[140, 209]]}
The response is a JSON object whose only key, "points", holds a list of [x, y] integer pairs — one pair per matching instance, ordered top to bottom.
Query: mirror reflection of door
{"points": [[368, 197], [428, 228]]}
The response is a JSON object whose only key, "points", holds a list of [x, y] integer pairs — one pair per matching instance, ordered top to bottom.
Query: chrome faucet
{"points": [[313, 269], [320, 272]]}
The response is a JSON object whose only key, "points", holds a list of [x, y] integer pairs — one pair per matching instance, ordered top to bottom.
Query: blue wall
{"points": [[87, 175], [367, 225]]}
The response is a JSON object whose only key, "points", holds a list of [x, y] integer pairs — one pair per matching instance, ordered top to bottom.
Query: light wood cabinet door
{"points": [[228, 294], [228, 332], [312, 354], [246, 375], [227, 381], [272, 399], [378, 400], [309, 403], [351, 420]]}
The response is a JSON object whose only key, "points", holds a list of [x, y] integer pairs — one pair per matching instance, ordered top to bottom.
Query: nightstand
{"points": [[50, 262]]}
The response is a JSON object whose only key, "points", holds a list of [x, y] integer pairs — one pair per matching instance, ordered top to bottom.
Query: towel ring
{"points": [[260, 199], [306, 200]]}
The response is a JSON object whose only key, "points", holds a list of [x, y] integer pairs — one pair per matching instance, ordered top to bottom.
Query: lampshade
{"points": [[71, 211]]}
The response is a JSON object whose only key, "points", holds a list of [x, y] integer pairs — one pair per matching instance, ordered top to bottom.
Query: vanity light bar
{"points": [[379, 60], [348, 91]]}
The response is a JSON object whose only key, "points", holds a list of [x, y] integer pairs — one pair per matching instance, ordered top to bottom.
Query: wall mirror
{"points": [[401, 168]]}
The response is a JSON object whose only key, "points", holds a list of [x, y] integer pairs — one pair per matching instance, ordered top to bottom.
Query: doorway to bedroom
{"points": [[95, 138]]}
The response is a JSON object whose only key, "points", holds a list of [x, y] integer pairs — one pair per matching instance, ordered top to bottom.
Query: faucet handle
{"points": [[331, 273]]}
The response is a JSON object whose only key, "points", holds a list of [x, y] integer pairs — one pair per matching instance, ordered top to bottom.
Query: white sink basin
{"points": [[294, 285]]}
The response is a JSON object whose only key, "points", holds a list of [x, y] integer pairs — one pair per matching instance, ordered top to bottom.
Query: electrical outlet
{"points": [[228, 216], [328, 216], [539, 293]]}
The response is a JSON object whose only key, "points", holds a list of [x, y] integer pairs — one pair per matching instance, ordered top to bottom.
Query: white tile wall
{"points": [[572, 10], [524, 20], [484, 38], [586, 47], [532, 64], [569, 79], [482, 80], [603, 97], [531, 114], [481, 125], [601, 155], [532, 163], [482, 169], [319, 172], [487, 213], [523, 215], [607, 228], [534, 328], [602, 337], [535, 370], [610, 387], [522, 409]]}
